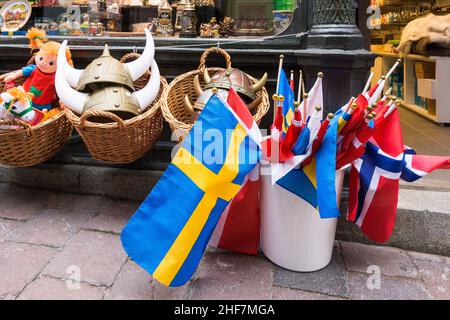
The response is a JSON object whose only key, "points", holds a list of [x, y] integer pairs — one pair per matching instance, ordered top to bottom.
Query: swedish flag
{"points": [[288, 104], [169, 232]]}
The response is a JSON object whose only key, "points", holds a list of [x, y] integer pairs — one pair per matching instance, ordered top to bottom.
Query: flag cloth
{"points": [[315, 98], [288, 103], [326, 173], [374, 178], [238, 226], [169, 232]]}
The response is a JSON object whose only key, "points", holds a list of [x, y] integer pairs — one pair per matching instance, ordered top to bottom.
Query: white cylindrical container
{"points": [[293, 235]]}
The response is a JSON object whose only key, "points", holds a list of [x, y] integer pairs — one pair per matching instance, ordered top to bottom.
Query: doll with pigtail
{"points": [[40, 76]]}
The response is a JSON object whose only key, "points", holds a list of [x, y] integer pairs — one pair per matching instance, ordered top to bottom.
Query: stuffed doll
{"points": [[40, 75]]}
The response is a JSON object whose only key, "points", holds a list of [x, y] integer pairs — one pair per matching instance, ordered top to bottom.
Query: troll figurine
{"points": [[40, 75]]}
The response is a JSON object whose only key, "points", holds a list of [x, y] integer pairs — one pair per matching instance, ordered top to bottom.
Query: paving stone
{"points": [[65, 201], [20, 203], [113, 216], [7, 226], [52, 227], [99, 257], [391, 261], [20, 264], [435, 273], [232, 276], [330, 280], [132, 283], [45, 288], [390, 288], [161, 292], [280, 293]]}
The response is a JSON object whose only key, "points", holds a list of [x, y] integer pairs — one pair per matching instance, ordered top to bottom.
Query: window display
{"points": [[166, 18]]}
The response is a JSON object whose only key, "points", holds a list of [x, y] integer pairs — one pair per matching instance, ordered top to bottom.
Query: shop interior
{"points": [[422, 79]]}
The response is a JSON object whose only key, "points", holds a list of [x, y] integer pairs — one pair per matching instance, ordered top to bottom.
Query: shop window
{"points": [[165, 18]]}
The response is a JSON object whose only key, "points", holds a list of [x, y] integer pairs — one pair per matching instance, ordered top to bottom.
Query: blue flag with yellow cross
{"points": [[169, 232]]}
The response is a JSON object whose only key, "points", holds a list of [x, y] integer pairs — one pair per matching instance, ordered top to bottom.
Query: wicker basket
{"points": [[174, 110], [122, 141], [32, 144]]}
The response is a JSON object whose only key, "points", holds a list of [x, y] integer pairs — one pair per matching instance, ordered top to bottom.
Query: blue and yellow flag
{"points": [[288, 104], [315, 183], [169, 232]]}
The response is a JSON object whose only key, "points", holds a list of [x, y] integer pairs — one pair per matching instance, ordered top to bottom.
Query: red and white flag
{"points": [[374, 179], [238, 226]]}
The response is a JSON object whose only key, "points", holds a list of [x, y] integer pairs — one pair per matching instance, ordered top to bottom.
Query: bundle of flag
{"points": [[371, 142], [169, 232]]}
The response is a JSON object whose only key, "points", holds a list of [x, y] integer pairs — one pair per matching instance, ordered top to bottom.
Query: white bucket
{"points": [[293, 235]]}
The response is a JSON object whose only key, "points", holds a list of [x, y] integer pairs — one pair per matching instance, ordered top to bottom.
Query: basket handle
{"points": [[220, 51], [130, 57], [103, 114], [16, 122]]}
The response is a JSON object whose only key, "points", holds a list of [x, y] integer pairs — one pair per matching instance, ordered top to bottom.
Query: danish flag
{"points": [[374, 179]]}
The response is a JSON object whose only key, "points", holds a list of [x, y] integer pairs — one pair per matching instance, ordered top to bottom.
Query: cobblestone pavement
{"points": [[47, 239]]}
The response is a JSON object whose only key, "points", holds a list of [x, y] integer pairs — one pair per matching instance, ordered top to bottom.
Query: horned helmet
{"points": [[221, 82], [109, 83]]}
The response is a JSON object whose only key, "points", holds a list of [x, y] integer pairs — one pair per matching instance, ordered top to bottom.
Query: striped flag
{"points": [[169, 232]]}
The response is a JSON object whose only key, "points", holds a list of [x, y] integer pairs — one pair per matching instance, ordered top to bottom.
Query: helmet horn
{"points": [[139, 66], [71, 74], [206, 76], [261, 83], [197, 87], [147, 95], [71, 98], [254, 103], [188, 105]]}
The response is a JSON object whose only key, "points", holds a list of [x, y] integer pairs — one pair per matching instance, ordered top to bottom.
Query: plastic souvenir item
{"points": [[15, 14], [40, 75], [222, 81], [108, 84], [16, 103]]}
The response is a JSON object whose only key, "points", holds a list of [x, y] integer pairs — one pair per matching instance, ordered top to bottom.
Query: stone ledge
{"points": [[423, 216]]}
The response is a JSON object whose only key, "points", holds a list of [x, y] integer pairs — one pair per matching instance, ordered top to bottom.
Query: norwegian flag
{"points": [[374, 179], [238, 226]]}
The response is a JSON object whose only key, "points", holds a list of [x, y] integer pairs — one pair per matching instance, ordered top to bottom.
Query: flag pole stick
{"points": [[280, 67], [393, 68], [300, 81], [366, 88], [305, 107], [392, 108]]}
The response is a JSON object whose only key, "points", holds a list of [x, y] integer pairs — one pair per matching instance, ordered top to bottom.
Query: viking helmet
{"points": [[107, 69], [240, 80], [114, 98]]}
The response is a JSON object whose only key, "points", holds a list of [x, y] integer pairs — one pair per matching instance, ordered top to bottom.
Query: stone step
{"points": [[423, 216]]}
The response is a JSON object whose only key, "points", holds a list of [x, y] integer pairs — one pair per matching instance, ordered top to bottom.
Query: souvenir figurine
{"points": [[164, 19], [85, 23], [225, 26], [40, 75], [221, 83], [107, 84], [16, 103]]}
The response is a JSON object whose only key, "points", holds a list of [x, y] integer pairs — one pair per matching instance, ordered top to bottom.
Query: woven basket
{"points": [[174, 110], [122, 141], [32, 144]]}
